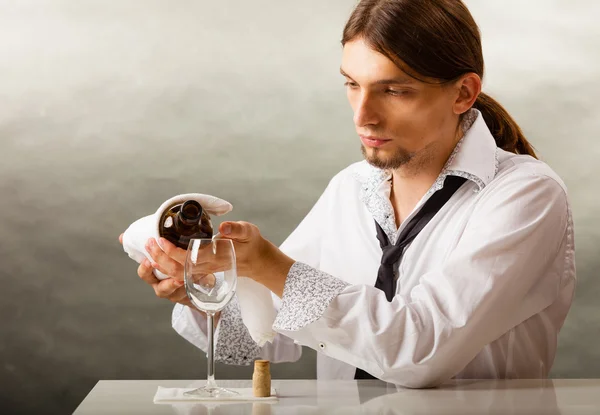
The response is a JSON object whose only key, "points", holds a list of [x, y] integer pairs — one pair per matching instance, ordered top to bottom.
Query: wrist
{"points": [[275, 266]]}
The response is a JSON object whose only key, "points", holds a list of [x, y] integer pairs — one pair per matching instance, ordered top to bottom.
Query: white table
{"points": [[547, 397]]}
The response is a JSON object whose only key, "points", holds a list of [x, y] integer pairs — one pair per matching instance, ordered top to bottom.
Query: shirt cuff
{"points": [[306, 295], [190, 325], [233, 343]]}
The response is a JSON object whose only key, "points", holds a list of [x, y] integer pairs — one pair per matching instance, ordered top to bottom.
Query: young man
{"points": [[448, 252]]}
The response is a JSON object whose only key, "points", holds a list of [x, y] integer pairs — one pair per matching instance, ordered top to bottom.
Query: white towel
{"points": [[136, 235], [256, 303]]}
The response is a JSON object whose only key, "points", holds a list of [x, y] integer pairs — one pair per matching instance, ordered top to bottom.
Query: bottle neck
{"points": [[189, 215]]}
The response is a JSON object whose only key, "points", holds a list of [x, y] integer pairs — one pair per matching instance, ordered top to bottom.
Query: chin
{"points": [[371, 153], [375, 158], [386, 159]]}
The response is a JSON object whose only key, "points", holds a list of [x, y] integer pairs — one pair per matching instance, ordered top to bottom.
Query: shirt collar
{"points": [[473, 158]]}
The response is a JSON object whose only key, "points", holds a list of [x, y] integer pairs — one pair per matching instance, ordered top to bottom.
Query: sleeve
{"points": [[499, 274], [233, 343]]}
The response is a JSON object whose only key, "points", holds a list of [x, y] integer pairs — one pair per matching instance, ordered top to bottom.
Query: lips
{"points": [[372, 141]]}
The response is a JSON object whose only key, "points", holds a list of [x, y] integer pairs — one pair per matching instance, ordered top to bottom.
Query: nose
{"points": [[365, 112]]}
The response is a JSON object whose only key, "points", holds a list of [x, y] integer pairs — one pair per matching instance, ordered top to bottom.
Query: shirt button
{"points": [[322, 346]]}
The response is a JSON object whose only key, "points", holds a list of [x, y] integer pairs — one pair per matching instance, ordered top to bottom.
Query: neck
{"points": [[411, 181]]}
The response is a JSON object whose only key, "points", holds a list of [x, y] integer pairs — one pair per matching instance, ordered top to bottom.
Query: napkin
{"points": [[136, 235], [255, 300], [169, 395]]}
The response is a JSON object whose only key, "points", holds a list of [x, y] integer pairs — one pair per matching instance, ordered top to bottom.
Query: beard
{"points": [[400, 158]]}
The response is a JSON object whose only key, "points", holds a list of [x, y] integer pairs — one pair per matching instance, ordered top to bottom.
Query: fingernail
{"points": [[226, 229], [162, 241], [151, 242], [146, 263], [154, 265], [180, 283]]}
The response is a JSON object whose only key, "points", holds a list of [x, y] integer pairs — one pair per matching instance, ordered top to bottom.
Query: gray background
{"points": [[107, 108]]}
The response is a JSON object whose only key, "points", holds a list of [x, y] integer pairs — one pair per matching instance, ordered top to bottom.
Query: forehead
{"points": [[359, 60]]}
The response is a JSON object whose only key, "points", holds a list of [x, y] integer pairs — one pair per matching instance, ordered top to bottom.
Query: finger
{"points": [[240, 231], [121, 239], [178, 254], [162, 261], [207, 261], [145, 272], [176, 275], [206, 280], [166, 288], [179, 296]]}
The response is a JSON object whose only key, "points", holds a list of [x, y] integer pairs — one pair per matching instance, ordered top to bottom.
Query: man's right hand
{"points": [[171, 288]]}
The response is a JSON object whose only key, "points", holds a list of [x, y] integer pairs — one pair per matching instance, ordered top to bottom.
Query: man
{"points": [[448, 252]]}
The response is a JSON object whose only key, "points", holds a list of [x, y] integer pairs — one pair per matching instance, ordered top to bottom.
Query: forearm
{"points": [[273, 269]]}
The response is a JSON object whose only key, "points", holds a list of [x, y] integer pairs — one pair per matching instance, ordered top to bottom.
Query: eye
{"points": [[350, 85], [394, 92]]}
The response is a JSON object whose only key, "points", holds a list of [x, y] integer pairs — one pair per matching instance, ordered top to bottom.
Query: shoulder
{"points": [[523, 171], [525, 191]]}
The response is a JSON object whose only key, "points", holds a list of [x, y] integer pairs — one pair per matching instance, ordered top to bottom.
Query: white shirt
{"points": [[482, 291]]}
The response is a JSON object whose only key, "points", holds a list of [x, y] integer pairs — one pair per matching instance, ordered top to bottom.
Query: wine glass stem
{"points": [[210, 381]]}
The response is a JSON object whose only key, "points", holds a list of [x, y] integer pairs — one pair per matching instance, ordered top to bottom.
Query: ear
{"points": [[469, 87]]}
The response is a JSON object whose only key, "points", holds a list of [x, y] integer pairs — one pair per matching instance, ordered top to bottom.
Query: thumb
{"points": [[240, 231]]}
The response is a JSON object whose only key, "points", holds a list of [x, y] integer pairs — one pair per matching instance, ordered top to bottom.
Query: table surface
{"points": [[536, 396]]}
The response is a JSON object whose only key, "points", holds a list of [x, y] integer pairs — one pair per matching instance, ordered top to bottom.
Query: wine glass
{"points": [[210, 280]]}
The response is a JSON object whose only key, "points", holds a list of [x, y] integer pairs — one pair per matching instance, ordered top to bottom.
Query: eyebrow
{"points": [[395, 81]]}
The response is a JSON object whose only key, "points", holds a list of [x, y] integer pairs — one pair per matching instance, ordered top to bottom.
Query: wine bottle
{"points": [[184, 221]]}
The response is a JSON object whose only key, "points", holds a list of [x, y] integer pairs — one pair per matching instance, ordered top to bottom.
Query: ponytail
{"points": [[506, 131]]}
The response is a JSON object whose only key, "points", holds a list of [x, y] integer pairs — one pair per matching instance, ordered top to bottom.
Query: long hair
{"points": [[437, 39]]}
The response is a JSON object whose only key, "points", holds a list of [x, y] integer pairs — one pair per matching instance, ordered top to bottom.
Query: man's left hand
{"points": [[256, 257]]}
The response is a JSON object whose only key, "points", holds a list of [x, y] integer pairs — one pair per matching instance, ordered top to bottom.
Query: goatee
{"points": [[395, 161]]}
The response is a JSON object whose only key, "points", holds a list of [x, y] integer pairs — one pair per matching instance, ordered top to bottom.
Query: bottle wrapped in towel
{"points": [[256, 303]]}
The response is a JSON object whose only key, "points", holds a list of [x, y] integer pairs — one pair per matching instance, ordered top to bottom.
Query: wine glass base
{"points": [[211, 392]]}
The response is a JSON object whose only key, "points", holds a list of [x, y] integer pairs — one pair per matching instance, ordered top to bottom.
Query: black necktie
{"points": [[392, 254]]}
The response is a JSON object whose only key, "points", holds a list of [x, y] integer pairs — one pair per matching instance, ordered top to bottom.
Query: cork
{"points": [[261, 379]]}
